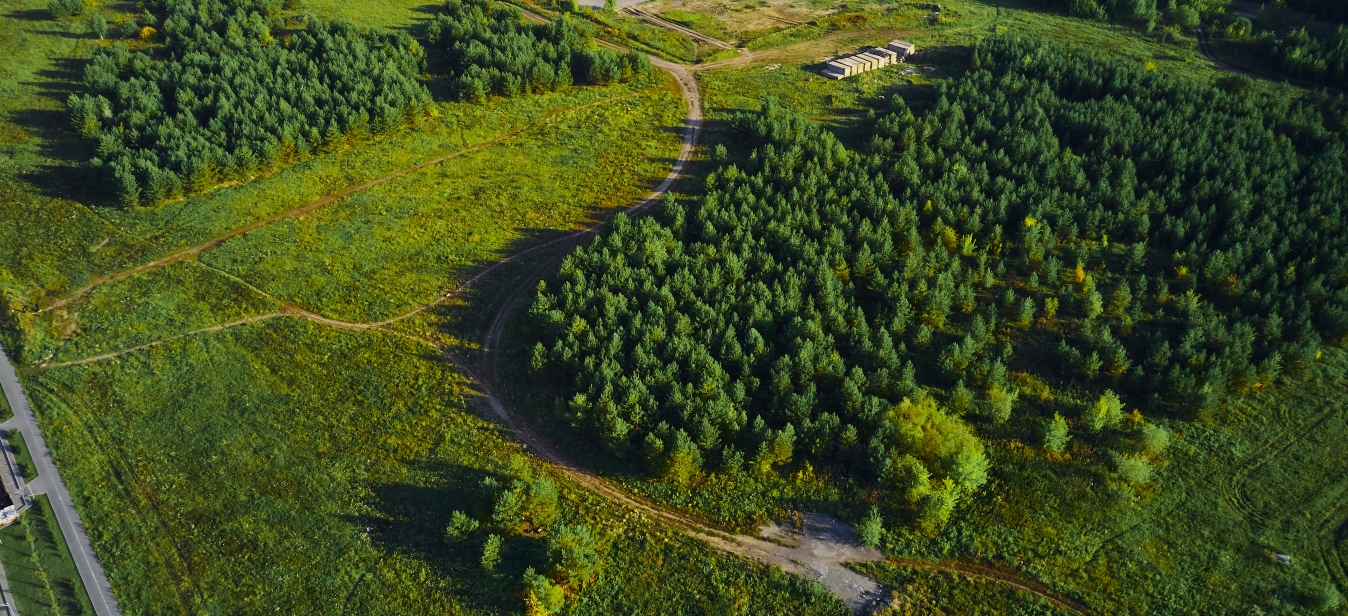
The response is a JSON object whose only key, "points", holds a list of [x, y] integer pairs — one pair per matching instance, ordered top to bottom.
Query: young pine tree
{"points": [[98, 25], [1000, 401], [1107, 412], [1056, 437], [460, 526], [871, 529], [491, 552], [573, 552], [541, 596]]}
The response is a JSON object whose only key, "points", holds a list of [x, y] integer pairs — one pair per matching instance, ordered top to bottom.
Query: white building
{"points": [[868, 60]]}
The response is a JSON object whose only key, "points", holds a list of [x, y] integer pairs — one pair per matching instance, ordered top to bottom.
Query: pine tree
{"points": [[1056, 436], [460, 526], [871, 529], [491, 552]]}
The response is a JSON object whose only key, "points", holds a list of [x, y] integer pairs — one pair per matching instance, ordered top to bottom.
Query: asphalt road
{"points": [[49, 482]]}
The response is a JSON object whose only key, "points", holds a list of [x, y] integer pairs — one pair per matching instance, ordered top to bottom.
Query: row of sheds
{"points": [[846, 66]]}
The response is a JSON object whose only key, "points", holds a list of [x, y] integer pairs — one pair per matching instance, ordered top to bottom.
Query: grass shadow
{"points": [[30, 15], [63, 174], [411, 519]]}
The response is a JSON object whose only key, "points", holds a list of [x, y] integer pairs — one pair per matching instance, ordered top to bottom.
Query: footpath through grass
{"points": [[282, 464], [41, 572]]}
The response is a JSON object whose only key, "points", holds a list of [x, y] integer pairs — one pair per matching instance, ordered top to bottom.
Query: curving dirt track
{"points": [[1207, 53], [317, 204], [815, 551]]}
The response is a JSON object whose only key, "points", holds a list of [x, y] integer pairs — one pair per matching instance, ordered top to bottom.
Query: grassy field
{"points": [[403, 243], [5, 411], [22, 457], [283, 464], [286, 466], [38, 564], [922, 591]]}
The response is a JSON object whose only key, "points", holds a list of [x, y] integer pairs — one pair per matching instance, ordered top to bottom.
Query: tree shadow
{"points": [[30, 15], [62, 174], [410, 519]]}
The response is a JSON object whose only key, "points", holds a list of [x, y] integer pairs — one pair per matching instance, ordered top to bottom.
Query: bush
{"points": [[65, 8], [1087, 9], [1184, 17], [98, 25], [1237, 29], [1056, 436], [1155, 439], [1133, 469], [460, 526], [871, 529], [491, 552], [573, 552], [541, 596]]}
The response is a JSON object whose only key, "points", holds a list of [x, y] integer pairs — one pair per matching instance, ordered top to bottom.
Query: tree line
{"points": [[1183, 14], [494, 49], [1315, 54], [222, 89], [228, 90], [1134, 239]]}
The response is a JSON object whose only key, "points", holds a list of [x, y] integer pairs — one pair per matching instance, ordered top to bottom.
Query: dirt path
{"points": [[661, 22], [1207, 53], [310, 207], [815, 551]]}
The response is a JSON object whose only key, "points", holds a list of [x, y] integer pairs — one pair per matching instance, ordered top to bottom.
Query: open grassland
{"points": [[840, 29], [66, 234], [403, 243], [65, 244], [175, 299], [22, 456], [285, 465], [1265, 476], [38, 564], [915, 590]]}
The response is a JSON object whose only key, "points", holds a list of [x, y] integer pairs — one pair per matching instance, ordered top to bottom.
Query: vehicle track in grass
{"points": [[313, 206], [816, 552]]}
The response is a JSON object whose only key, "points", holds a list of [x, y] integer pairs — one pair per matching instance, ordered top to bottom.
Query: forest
{"points": [[1183, 14], [494, 49], [1316, 55], [1322, 58], [220, 96], [1134, 241]]}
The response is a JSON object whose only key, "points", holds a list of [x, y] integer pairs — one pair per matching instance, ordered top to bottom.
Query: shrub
{"points": [[65, 8], [1183, 16], [98, 25], [1056, 436], [1155, 438], [1133, 469], [460, 526], [871, 529], [491, 552], [573, 552], [541, 596]]}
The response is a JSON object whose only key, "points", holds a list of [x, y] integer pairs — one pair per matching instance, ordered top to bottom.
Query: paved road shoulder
{"points": [[91, 572]]}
